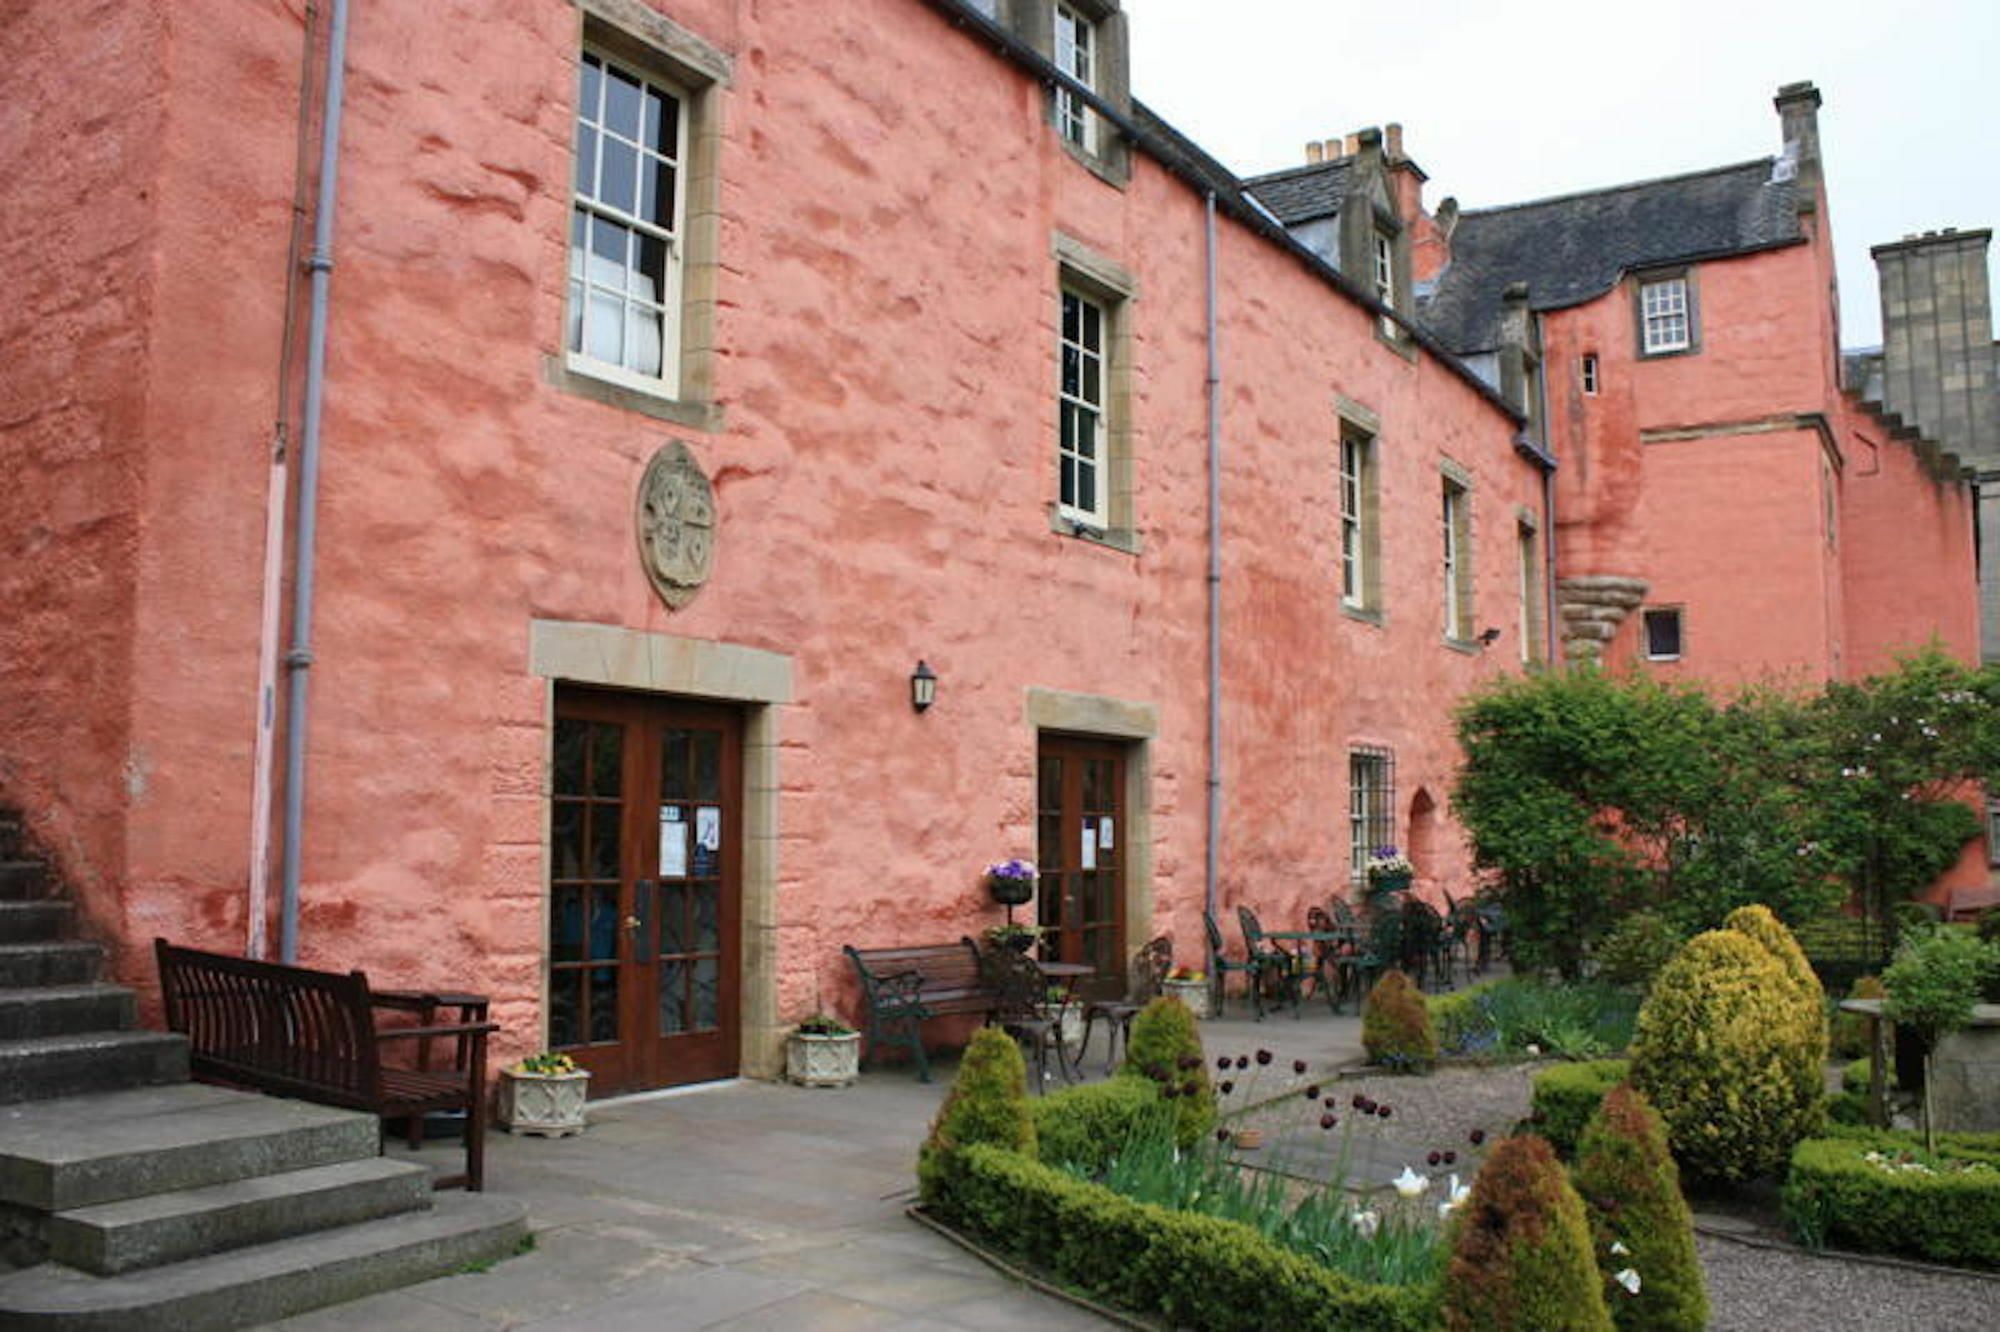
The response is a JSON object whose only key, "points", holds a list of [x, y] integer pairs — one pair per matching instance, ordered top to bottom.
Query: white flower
{"points": [[1534, 1049], [1410, 1184], [1456, 1193], [1367, 1223], [1618, 1247], [1628, 1279]]}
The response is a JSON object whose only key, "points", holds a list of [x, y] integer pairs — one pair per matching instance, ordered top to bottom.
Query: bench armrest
{"points": [[461, 1029]]}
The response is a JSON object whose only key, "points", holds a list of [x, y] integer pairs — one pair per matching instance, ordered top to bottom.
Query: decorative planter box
{"points": [[1193, 993], [1070, 1026], [823, 1061], [548, 1105]]}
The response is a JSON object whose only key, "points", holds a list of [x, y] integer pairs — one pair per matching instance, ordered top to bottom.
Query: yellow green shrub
{"points": [[1758, 923], [1165, 1047], [1723, 1055], [988, 1102], [1638, 1218]]}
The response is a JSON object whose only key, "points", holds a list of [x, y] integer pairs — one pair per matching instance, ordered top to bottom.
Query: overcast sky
{"points": [[1503, 102]]}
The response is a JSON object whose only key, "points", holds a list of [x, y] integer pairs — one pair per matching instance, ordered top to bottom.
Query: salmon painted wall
{"points": [[85, 100], [886, 371]]}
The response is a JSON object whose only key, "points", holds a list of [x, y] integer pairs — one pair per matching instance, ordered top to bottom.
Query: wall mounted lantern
{"points": [[1489, 638], [923, 686]]}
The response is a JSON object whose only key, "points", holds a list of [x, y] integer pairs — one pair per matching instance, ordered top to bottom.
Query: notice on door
{"points": [[1106, 833], [707, 840], [673, 843], [1089, 858]]}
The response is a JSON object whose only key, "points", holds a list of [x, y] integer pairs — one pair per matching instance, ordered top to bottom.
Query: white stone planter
{"points": [[1193, 993], [1070, 1027], [823, 1061], [548, 1105]]}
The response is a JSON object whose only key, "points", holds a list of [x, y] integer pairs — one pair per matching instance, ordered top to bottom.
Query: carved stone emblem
{"points": [[676, 524]]}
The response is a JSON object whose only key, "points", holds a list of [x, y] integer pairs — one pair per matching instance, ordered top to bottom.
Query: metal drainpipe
{"points": [[1549, 634], [299, 659], [1213, 867]]}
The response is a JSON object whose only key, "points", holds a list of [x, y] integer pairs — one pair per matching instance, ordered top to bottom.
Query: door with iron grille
{"points": [[1080, 856], [644, 889]]}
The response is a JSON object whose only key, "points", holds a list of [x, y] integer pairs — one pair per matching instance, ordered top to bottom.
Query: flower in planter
{"points": [[1388, 863], [1010, 869], [1011, 936], [1191, 975], [823, 1024], [547, 1064]]}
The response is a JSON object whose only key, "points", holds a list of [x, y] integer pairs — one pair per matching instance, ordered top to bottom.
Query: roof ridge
{"points": [[1614, 189]]}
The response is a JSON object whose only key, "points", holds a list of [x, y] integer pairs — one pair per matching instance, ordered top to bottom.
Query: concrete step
{"points": [[22, 880], [34, 922], [49, 963], [58, 1010], [45, 1067], [56, 1156], [173, 1227], [271, 1281]]}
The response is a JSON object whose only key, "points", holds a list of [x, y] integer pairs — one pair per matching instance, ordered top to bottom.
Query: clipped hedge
{"points": [[1460, 1019], [1396, 1026], [1164, 1050], [1567, 1095], [988, 1102], [1086, 1126], [1834, 1195], [1638, 1218], [1521, 1252], [1196, 1271]]}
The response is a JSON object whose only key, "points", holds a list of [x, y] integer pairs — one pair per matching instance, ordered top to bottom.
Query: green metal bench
{"points": [[906, 986]]}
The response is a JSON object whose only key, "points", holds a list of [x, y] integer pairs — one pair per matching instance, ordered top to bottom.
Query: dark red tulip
{"points": [[1263, 1056], [1299, 1067], [1327, 1121], [1478, 1136], [1451, 1158], [1435, 1159]]}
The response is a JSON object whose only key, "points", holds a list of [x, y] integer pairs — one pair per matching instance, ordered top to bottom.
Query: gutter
{"points": [[1232, 201], [298, 660], [1212, 869]]}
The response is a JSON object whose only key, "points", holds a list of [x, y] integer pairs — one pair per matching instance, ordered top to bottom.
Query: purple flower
{"points": [[1263, 1057], [1242, 1061], [1222, 1062], [1299, 1067], [1227, 1087], [1312, 1092], [1328, 1103], [1382, 1111], [1327, 1121], [1222, 1135], [1478, 1136], [1451, 1158], [1435, 1159]]}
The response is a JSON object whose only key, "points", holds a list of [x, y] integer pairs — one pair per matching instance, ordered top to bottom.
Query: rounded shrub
{"points": [[1757, 922], [1636, 948], [1396, 1025], [1848, 1036], [1165, 1048], [1721, 1052], [1565, 1097], [988, 1102], [1084, 1127], [1632, 1193], [1520, 1256]]}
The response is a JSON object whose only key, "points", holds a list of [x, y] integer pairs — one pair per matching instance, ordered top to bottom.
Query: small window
{"points": [[1076, 56], [1385, 278], [1665, 320], [1590, 374], [1083, 492], [1455, 516], [1531, 595], [1662, 626], [1371, 806]]}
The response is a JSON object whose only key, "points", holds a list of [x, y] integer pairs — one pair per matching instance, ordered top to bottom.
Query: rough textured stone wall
{"points": [[85, 105]]}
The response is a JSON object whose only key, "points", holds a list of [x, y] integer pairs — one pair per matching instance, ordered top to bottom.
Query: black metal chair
{"points": [[1219, 964], [1273, 964], [1360, 964], [1144, 979], [1020, 1008]]}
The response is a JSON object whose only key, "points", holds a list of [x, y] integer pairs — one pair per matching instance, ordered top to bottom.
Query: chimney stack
{"points": [[1798, 119], [1392, 134], [1351, 145]]}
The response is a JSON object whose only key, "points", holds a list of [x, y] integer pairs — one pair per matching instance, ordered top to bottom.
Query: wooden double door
{"points": [[1081, 835], [645, 898]]}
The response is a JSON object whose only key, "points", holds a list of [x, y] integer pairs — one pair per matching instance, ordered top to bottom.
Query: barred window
{"points": [[1371, 805]]}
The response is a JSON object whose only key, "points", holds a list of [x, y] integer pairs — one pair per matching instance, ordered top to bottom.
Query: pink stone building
{"points": [[695, 369]]}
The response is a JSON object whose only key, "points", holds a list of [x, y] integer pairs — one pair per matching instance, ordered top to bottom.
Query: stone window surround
{"points": [[1034, 22], [634, 33], [1640, 281], [1114, 289], [1359, 422], [1527, 535], [1462, 588], [1679, 612], [762, 682], [1100, 717], [1370, 825]]}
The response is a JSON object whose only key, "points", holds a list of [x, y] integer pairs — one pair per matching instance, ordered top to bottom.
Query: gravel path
{"points": [[1751, 1287]]}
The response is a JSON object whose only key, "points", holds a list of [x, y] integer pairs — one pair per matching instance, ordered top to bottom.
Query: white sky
{"points": [[1503, 101]]}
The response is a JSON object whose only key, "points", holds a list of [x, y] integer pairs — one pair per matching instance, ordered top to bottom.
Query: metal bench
{"points": [[905, 986], [311, 1035]]}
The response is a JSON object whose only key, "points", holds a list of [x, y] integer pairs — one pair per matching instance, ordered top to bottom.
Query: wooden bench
{"points": [[904, 986], [311, 1035]]}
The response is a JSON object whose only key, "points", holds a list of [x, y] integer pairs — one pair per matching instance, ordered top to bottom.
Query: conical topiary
{"points": [[1760, 924], [1396, 1025], [1165, 1046], [1721, 1053], [988, 1102], [1639, 1222], [1520, 1250]]}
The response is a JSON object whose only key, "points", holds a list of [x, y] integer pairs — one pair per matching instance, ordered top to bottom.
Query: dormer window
{"points": [[1076, 56], [1384, 249]]}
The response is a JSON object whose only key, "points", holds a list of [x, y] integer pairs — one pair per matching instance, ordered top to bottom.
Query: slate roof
{"points": [[1303, 194], [1573, 248]]}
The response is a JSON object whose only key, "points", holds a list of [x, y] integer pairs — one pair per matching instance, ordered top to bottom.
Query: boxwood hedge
{"points": [[1567, 1095], [1946, 1209]]}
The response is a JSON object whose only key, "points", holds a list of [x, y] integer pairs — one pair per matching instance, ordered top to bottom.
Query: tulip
{"points": [[1410, 1184], [1367, 1223], [1628, 1279]]}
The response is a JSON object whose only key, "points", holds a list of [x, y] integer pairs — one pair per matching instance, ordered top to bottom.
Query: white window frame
{"points": [[1076, 56], [590, 209], [1383, 249], [1666, 315], [1590, 374], [1075, 404], [1353, 519], [1455, 519], [1646, 632]]}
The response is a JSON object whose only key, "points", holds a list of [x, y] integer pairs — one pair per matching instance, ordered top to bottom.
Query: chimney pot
{"points": [[1392, 133], [1369, 140], [1315, 153], [1516, 293]]}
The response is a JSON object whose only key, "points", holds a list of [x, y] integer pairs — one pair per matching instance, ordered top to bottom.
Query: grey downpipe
{"points": [[1550, 629], [299, 659], [1212, 870]]}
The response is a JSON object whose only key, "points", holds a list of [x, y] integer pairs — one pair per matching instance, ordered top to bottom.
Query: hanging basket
{"points": [[1010, 892]]}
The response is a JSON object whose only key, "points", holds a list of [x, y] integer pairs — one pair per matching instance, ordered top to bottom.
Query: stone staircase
{"points": [[131, 1198]]}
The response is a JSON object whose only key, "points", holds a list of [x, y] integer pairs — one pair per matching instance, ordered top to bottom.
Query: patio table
{"points": [[1350, 936]]}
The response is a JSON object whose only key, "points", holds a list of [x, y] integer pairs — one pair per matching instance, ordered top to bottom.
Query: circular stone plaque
{"points": [[676, 524]]}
